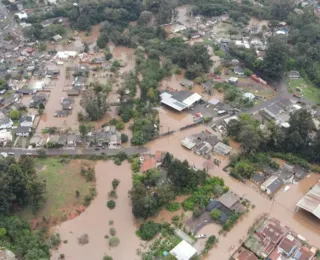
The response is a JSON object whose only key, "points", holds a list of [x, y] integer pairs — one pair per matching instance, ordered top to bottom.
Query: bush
{"points": [[120, 125], [124, 138], [115, 183], [113, 194], [87, 200], [111, 204], [188, 204], [173, 206], [215, 214], [148, 230], [112, 231], [84, 239], [55, 240], [114, 241], [106, 257]]}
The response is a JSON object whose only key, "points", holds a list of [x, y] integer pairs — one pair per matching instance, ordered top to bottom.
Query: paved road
{"points": [[74, 151]]}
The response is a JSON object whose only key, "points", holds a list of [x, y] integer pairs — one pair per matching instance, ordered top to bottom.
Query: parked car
{"points": [[201, 236]]}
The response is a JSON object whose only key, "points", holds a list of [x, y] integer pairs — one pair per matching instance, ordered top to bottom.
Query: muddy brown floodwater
{"points": [[281, 208], [94, 221]]}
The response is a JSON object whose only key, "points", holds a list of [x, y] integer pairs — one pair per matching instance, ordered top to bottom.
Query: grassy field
{"points": [[308, 91], [63, 178]]}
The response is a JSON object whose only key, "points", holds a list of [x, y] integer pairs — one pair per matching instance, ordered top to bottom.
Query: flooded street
{"points": [[58, 89], [282, 208], [94, 221]]}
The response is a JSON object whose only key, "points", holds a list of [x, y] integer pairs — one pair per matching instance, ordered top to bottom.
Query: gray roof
{"points": [[182, 95], [274, 110], [22, 130], [275, 185], [229, 199]]}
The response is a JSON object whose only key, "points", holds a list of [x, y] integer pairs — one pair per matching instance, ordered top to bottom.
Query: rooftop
{"points": [[229, 199], [311, 201], [183, 251]]}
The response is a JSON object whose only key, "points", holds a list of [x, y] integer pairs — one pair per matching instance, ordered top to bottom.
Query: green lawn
{"points": [[308, 91], [62, 179]]}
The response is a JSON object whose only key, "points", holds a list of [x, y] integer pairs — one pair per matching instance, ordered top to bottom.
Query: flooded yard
{"points": [[95, 220]]}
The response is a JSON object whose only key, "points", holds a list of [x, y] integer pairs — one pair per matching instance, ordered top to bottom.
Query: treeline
{"points": [[83, 15], [301, 138], [19, 185], [17, 236]]}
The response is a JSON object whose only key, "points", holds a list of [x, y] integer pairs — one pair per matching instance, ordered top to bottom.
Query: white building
{"points": [[183, 251]]}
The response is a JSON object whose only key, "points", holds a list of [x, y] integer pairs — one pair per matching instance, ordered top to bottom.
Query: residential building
{"points": [[187, 83], [37, 100], [27, 120], [5, 121], [22, 131], [5, 136], [222, 148], [149, 162], [272, 185], [232, 202], [244, 254]]}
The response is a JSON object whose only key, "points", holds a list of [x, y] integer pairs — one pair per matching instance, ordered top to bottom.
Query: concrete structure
{"points": [[180, 100], [5, 136], [222, 148], [311, 201], [183, 251]]}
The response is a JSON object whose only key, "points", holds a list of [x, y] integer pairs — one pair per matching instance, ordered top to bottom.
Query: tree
{"points": [[145, 18], [102, 41], [275, 61], [94, 102], [14, 114], [84, 130], [124, 138], [250, 139], [42, 153], [244, 168], [115, 183], [215, 214], [148, 230]]}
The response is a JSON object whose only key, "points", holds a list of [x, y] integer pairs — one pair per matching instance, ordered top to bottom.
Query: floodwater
{"points": [[57, 91], [281, 208], [94, 221]]}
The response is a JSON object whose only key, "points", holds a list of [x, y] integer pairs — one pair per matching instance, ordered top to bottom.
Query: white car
{"points": [[28, 153], [3, 154], [201, 236]]}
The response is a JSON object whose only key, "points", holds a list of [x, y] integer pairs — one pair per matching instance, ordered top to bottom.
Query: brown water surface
{"points": [[94, 221]]}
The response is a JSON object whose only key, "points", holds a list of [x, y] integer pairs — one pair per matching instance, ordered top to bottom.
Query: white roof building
{"points": [[22, 15], [64, 55], [179, 100], [183, 251]]}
